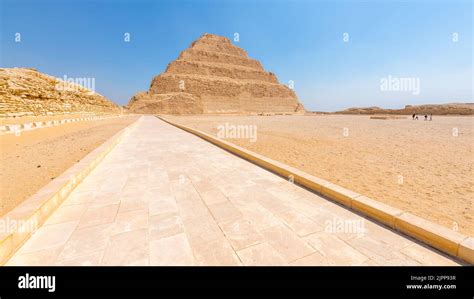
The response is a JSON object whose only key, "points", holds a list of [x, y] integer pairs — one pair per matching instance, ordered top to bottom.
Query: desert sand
{"points": [[31, 160], [423, 167]]}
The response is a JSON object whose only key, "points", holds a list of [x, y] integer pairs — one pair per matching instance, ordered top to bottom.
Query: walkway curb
{"points": [[19, 128], [20, 223], [439, 237]]}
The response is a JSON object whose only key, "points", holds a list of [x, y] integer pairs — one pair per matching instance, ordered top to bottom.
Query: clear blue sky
{"points": [[297, 40]]}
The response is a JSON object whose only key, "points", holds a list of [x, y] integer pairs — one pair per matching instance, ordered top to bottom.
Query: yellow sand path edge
{"points": [[20, 223], [439, 237]]}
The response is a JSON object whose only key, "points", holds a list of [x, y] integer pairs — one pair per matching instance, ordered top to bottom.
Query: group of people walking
{"points": [[415, 117]]}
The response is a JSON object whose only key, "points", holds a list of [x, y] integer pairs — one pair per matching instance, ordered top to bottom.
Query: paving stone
{"points": [[165, 197], [163, 206], [224, 211], [67, 214], [97, 216], [131, 220], [165, 225], [202, 230], [241, 233], [49, 236], [87, 240], [286, 243], [127, 249], [171, 251], [336, 251], [216, 253], [261, 255], [44, 257], [424, 257], [91, 259]]}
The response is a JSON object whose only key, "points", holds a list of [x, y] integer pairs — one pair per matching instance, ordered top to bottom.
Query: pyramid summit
{"points": [[214, 76]]}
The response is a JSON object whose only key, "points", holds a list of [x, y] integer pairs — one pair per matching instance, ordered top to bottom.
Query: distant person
{"points": [[413, 116], [431, 116], [416, 117], [426, 117]]}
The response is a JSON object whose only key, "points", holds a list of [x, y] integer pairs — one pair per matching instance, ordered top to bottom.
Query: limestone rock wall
{"points": [[214, 76], [28, 92]]}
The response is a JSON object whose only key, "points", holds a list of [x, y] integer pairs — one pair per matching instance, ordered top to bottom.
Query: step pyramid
{"points": [[213, 76]]}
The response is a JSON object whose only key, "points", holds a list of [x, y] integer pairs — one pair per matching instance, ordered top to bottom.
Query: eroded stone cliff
{"points": [[28, 92]]}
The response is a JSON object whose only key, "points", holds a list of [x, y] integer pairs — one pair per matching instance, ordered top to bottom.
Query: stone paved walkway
{"points": [[166, 197]]}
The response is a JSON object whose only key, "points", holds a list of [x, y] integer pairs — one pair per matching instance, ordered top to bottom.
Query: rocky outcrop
{"points": [[214, 76], [28, 92]]}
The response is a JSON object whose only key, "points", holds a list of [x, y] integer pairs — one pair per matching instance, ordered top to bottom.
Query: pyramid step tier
{"points": [[227, 49], [209, 56], [219, 70], [210, 85], [184, 103]]}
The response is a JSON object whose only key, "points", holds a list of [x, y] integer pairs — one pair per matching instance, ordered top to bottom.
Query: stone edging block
{"points": [[13, 128]]}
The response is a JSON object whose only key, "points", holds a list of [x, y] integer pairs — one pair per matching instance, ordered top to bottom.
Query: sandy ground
{"points": [[31, 160], [422, 167]]}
